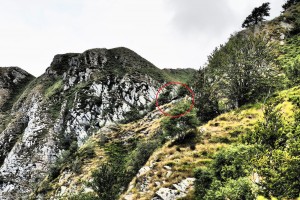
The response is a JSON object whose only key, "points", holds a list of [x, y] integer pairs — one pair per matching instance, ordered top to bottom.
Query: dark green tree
{"points": [[289, 3], [258, 15], [249, 71], [240, 72], [293, 73], [206, 100], [178, 128], [270, 133], [278, 161], [204, 179], [108, 181]]}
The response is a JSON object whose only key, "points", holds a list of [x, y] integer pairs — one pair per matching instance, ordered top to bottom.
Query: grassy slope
{"points": [[182, 75], [127, 133], [218, 133]]}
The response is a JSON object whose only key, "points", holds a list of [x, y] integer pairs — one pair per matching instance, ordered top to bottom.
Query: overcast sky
{"points": [[168, 33]]}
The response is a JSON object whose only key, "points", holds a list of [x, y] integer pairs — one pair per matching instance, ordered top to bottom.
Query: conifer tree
{"points": [[258, 15]]}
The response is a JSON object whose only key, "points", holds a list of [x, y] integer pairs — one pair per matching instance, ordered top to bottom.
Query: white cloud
{"points": [[169, 33]]}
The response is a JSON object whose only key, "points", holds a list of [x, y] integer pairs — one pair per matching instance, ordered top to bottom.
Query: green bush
{"points": [[165, 96], [132, 115], [178, 128], [140, 155], [278, 161], [233, 162], [76, 166], [54, 171], [204, 179], [108, 181], [241, 188], [84, 196]]}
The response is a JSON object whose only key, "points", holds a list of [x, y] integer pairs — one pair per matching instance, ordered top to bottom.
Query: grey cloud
{"points": [[201, 16]]}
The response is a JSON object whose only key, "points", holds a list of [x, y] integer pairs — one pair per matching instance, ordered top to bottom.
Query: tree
{"points": [[289, 3], [257, 15], [249, 71], [240, 72], [293, 73], [206, 101], [178, 128], [270, 132], [278, 160], [108, 181], [203, 181], [239, 189]]}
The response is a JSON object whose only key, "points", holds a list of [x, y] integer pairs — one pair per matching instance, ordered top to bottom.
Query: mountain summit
{"points": [[79, 94]]}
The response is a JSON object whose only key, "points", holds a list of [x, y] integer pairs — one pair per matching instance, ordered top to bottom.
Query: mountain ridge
{"points": [[77, 95]]}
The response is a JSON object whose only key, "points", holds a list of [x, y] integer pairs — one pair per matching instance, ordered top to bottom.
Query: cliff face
{"points": [[78, 95]]}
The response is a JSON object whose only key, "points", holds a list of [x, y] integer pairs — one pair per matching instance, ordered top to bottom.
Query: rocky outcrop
{"points": [[12, 81], [77, 96], [177, 191]]}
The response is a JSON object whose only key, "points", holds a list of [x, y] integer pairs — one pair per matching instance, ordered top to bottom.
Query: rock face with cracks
{"points": [[78, 95]]}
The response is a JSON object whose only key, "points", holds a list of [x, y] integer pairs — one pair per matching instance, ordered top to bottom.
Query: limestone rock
{"points": [[169, 194]]}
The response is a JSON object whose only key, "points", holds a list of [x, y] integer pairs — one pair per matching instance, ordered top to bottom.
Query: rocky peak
{"points": [[121, 59], [13, 76], [12, 81], [80, 95]]}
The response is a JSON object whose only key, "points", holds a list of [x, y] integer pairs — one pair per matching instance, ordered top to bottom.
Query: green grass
{"points": [[53, 89]]}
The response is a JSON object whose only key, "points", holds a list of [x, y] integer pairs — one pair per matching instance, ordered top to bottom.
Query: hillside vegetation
{"points": [[88, 128], [240, 142]]}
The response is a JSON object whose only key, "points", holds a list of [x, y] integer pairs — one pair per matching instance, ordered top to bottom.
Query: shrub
{"points": [[165, 97], [132, 115], [178, 128], [141, 154], [232, 162], [76, 166], [54, 171], [204, 178], [108, 181], [241, 188], [84, 196]]}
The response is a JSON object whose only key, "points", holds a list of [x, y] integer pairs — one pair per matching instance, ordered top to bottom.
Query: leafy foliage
{"points": [[289, 3], [257, 15], [290, 60], [240, 72], [206, 99], [177, 128], [140, 155], [279, 160], [228, 175], [204, 179], [108, 181], [241, 188]]}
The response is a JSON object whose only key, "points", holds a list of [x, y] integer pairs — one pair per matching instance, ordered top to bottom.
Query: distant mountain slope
{"points": [[184, 75]]}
